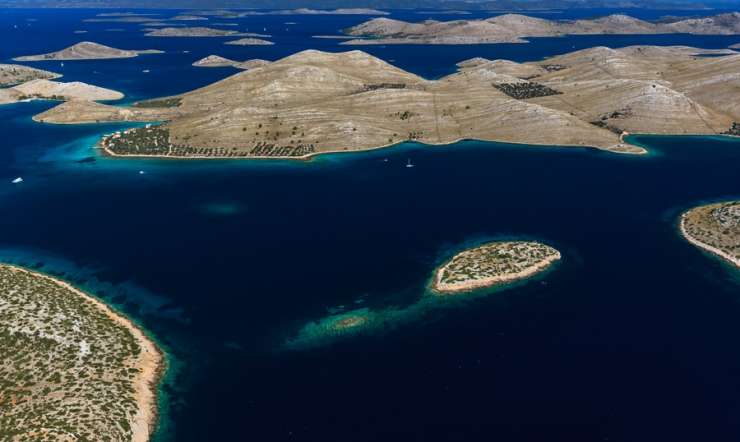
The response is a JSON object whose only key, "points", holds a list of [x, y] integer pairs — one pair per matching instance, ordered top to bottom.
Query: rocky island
{"points": [[308, 11], [515, 28], [195, 31], [249, 41], [87, 50], [216, 61], [13, 74], [55, 90], [315, 102], [714, 228], [492, 264], [70, 367]]}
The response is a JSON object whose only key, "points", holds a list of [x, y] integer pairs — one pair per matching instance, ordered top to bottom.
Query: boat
{"points": [[409, 164], [17, 180]]}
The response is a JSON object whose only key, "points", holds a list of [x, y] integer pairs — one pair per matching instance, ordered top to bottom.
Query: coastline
{"points": [[311, 156], [706, 247], [441, 289], [151, 361]]}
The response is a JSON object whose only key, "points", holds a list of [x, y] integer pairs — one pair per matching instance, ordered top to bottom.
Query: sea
{"points": [[227, 263]]}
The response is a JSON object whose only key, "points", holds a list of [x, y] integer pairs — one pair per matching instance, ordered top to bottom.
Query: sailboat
{"points": [[408, 164], [17, 180]]}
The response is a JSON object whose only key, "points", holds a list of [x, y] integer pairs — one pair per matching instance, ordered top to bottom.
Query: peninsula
{"points": [[515, 28], [87, 50], [12, 74], [315, 102], [714, 228], [492, 264], [70, 367]]}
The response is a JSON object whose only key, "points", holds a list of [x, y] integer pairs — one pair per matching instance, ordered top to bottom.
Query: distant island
{"points": [[308, 11], [185, 17], [120, 19], [515, 28], [196, 31], [249, 41], [87, 50], [216, 61], [13, 74], [714, 228], [492, 264], [71, 368]]}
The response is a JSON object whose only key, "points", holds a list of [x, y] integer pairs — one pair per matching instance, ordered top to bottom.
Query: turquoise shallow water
{"points": [[631, 337]]}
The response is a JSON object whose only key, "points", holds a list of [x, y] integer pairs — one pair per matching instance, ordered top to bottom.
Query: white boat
{"points": [[146, 71], [409, 165], [141, 172], [17, 180]]}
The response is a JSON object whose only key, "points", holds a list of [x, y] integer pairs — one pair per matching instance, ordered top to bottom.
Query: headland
{"points": [[714, 228], [72, 368]]}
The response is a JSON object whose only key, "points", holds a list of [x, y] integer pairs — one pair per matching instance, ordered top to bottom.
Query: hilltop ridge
{"points": [[515, 28]]}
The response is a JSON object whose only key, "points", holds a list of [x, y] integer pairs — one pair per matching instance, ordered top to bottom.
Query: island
{"points": [[308, 11], [185, 17], [121, 19], [515, 28], [194, 31], [249, 41], [87, 50], [216, 61], [12, 74], [55, 90], [315, 102], [714, 228], [492, 264], [71, 368]]}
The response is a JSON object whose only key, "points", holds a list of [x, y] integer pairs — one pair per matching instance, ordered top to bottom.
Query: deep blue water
{"points": [[632, 338]]}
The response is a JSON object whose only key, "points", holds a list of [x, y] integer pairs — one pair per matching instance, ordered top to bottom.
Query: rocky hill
{"points": [[313, 102]]}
